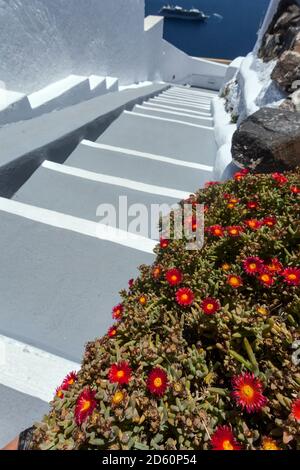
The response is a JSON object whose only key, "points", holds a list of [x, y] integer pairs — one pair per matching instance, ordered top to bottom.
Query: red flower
{"points": [[241, 174], [279, 178], [211, 183], [295, 189], [252, 205], [269, 221], [191, 222], [254, 224], [216, 230], [234, 230], [164, 243], [252, 265], [273, 266], [156, 272], [174, 276], [291, 276], [266, 279], [234, 281], [130, 283], [185, 296], [210, 306], [117, 312], [112, 332], [120, 373], [69, 380], [157, 382], [247, 392], [59, 393], [85, 405], [296, 410], [224, 439]]}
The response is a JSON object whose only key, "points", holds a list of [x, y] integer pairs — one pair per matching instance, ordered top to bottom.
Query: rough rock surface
{"points": [[283, 32], [287, 71], [268, 140]]}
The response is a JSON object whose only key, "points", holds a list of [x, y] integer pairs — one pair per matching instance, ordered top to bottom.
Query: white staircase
{"points": [[61, 270]]}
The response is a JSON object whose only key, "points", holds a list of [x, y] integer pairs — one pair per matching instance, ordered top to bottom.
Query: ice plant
{"points": [[239, 175], [279, 178], [295, 189], [252, 205], [269, 221], [253, 224], [216, 230], [234, 230], [164, 243], [252, 265], [273, 266], [226, 267], [156, 272], [174, 276], [291, 276], [266, 279], [234, 281], [185, 296], [143, 300], [210, 306], [262, 311], [117, 312], [112, 332], [120, 373], [69, 380], [157, 382], [248, 392], [59, 393], [118, 397], [85, 405], [296, 410], [224, 439], [269, 444]]}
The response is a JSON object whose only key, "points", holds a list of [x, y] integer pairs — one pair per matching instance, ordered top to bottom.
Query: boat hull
{"points": [[184, 17]]}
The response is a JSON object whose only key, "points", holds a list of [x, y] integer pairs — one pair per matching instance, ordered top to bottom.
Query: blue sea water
{"points": [[230, 31]]}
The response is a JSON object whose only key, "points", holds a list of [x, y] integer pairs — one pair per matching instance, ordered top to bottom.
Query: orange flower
{"points": [[254, 224], [234, 230], [273, 266], [226, 267], [156, 272], [266, 279], [234, 281], [143, 300], [118, 398], [269, 444]]}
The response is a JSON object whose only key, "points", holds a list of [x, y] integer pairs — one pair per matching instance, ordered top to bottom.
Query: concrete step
{"points": [[112, 84], [97, 85], [195, 91], [67, 92], [195, 99], [186, 101], [181, 104], [14, 106], [171, 107], [152, 111], [163, 137], [145, 168], [80, 192], [66, 273], [18, 412]]}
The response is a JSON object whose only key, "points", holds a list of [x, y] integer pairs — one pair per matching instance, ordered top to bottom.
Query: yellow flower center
{"points": [[252, 266], [226, 267], [265, 277], [292, 277], [174, 278], [234, 281], [184, 297], [142, 300], [209, 306], [120, 374], [157, 382], [248, 391], [118, 398], [86, 405], [269, 444], [227, 445]]}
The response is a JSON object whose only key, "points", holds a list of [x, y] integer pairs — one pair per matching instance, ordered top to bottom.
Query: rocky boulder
{"points": [[286, 72], [268, 140]]}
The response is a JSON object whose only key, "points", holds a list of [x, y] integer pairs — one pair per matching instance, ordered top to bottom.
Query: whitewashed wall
{"points": [[42, 41]]}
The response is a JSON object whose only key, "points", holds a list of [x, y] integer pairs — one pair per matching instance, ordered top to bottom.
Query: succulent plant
{"points": [[202, 354]]}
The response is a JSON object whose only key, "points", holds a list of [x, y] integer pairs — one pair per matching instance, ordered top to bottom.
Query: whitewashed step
{"points": [[112, 84], [97, 85], [195, 91], [66, 92], [195, 99], [183, 104], [201, 104], [14, 107], [171, 107], [181, 116], [163, 137], [140, 167]]}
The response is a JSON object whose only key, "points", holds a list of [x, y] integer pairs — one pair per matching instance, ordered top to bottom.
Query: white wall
{"points": [[42, 41]]}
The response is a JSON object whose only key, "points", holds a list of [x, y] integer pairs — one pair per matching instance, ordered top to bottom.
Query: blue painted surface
{"points": [[230, 31]]}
